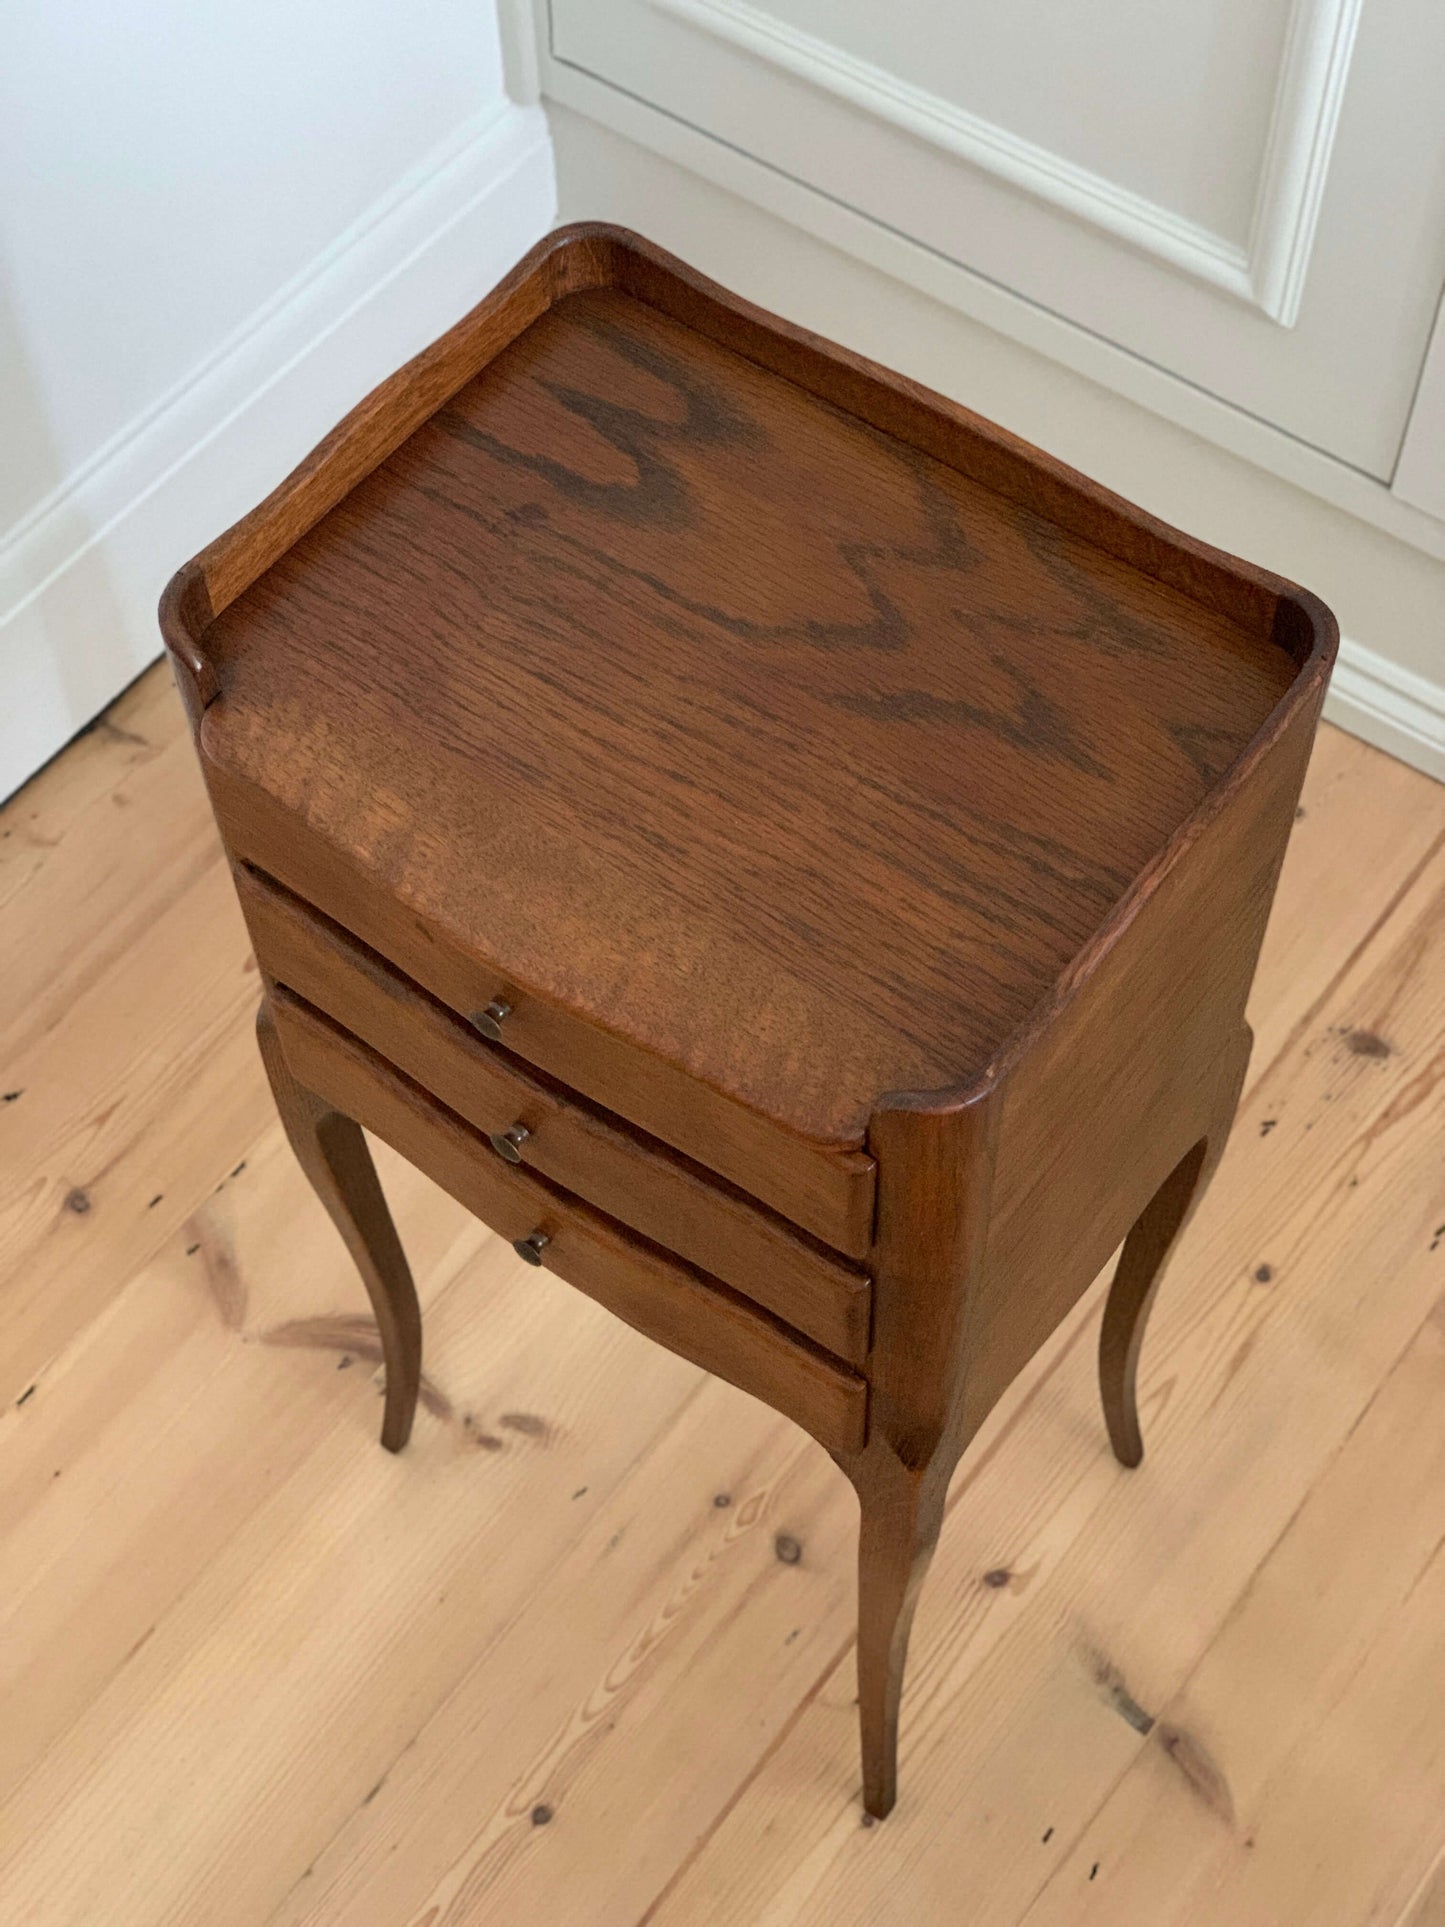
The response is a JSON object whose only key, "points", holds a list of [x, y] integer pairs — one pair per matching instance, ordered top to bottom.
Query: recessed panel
{"points": [[1169, 102], [1247, 193]]}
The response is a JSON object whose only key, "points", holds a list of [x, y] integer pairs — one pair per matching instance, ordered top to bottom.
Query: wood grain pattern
{"points": [[956, 588], [762, 714], [632, 1178], [656, 1294], [391, 1664]]}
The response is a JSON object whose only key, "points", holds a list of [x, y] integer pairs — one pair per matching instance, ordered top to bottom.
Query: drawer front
{"points": [[642, 1183], [825, 1189], [666, 1300]]}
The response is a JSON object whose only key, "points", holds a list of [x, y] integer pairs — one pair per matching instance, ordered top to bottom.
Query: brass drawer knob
{"points": [[489, 1021], [508, 1144], [532, 1248]]}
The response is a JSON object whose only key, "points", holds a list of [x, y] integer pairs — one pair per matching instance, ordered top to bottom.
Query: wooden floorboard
{"points": [[547, 1666]]}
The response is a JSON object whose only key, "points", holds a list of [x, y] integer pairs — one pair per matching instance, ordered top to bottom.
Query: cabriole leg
{"points": [[332, 1151], [1141, 1268], [901, 1511]]}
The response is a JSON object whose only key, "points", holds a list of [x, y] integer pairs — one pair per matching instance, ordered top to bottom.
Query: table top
{"points": [[730, 719]]}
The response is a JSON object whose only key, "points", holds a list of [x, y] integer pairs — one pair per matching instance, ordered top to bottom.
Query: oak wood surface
{"points": [[734, 702], [632, 1178], [656, 1293], [389, 1665]]}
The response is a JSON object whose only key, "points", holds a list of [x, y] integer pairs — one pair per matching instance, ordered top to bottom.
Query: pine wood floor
{"points": [[547, 1667]]}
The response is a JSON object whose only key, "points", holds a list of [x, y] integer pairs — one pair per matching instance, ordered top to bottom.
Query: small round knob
{"points": [[489, 1021], [508, 1144], [532, 1248]]}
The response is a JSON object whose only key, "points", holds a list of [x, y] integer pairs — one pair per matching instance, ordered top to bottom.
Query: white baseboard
{"points": [[81, 574], [1389, 706]]}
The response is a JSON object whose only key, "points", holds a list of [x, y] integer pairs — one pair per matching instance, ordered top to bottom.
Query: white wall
{"points": [[219, 226]]}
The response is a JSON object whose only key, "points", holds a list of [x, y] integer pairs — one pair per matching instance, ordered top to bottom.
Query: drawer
{"points": [[637, 1180], [827, 1189], [669, 1301]]}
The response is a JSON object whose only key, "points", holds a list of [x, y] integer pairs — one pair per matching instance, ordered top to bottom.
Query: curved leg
{"points": [[332, 1152], [1141, 1268], [901, 1513]]}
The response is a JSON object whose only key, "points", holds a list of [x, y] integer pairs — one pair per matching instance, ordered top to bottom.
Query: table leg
{"points": [[331, 1150], [1141, 1267], [901, 1512]]}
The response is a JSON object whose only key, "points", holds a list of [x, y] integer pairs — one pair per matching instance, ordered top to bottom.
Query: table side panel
{"points": [[727, 721], [1126, 1075]]}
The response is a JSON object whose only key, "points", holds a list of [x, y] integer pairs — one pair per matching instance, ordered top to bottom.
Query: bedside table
{"points": [[784, 853]]}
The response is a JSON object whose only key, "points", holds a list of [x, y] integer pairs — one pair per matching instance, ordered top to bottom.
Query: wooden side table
{"points": [[785, 853]]}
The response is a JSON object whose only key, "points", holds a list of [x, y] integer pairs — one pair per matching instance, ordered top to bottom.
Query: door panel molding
{"points": [[1269, 273]]}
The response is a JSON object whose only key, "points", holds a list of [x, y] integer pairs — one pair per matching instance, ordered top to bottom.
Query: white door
{"points": [[1250, 193]]}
